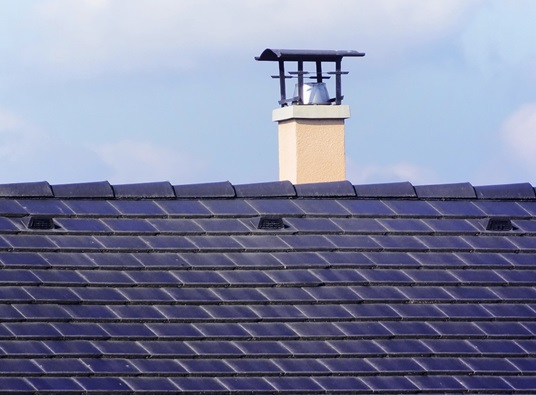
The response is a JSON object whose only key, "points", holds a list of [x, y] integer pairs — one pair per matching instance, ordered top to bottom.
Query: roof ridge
{"points": [[275, 189]]}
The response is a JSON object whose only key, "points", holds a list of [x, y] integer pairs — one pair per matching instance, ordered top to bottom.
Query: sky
{"points": [[168, 90]]}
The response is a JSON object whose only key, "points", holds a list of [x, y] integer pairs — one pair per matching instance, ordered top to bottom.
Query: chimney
{"points": [[310, 123]]}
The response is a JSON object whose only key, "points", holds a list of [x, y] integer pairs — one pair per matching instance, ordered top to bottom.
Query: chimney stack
{"points": [[311, 125]]}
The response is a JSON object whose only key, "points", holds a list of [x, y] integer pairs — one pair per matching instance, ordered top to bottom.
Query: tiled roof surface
{"points": [[369, 289]]}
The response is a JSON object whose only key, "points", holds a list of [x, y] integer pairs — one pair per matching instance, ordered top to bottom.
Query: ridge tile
{"points": [[40, 189], [101, 189], [266, 189], [336, 189], [150, 190], [208, 190], [389, 190], [446, 191], [522, 191]]}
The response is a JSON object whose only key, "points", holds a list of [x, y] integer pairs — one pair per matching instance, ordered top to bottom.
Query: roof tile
{"points": [[27, 189], [101, 189], [266, 189], [335, 189], [150, 190], [208, 190], [389, 190], [446, 191], [522, 191]]}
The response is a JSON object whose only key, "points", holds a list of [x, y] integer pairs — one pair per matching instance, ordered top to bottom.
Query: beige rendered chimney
{"points": [[311, 143]]}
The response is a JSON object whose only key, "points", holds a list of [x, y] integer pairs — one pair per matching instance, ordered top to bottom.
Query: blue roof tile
{"points": [[11, 207], [86, 207], [280, 207], [322, 207], [367, 207], [140, 208], [178, 208], [135, 226], [30, 242], [269, 330], [213, 347], [72, 348], [264, 348], [319, 348], [64, 365], [151, 365], [443, 365], [259, 366], [341, 383], [437, 383], [486, 383], [521, 383], [54, 384], [102, 384], [160, 384], [198, 384], [246, 384], [294, 384], [398, 384]]}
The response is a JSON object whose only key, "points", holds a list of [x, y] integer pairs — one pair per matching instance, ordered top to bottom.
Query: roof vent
{"points": [[271, 222], [43, 223], [499, 224]]}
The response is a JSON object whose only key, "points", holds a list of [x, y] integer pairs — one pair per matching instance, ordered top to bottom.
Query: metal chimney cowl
{"points": [[313, 93]]}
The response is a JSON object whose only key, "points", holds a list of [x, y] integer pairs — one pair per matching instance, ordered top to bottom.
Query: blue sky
{"points": [[153, 90]]}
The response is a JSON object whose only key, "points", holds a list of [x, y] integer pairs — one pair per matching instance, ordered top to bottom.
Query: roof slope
{"points": [[368, 289]]}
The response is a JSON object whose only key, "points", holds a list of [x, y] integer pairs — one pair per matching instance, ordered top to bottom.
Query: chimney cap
{"points": [[305, 55]]}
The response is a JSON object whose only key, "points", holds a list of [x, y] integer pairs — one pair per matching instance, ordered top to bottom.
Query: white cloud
{"points": [[92, 36], [501, 36], [519, 134], [19, 139], [29, 153], [137, 161], [376, 173]]}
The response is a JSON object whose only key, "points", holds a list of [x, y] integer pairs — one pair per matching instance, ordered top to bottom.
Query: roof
{"points": [[388, 288]]}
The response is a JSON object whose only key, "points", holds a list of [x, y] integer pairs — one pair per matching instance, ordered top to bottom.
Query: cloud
{"points": [[84, 37], [500, 37], [519, 134], [19, 139], [29, 153], [137, 161], [376, 173]]}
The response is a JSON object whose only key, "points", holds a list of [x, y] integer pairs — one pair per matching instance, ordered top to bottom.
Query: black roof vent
{"points": [[271, 222], [43, 223], [499, 224]]}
